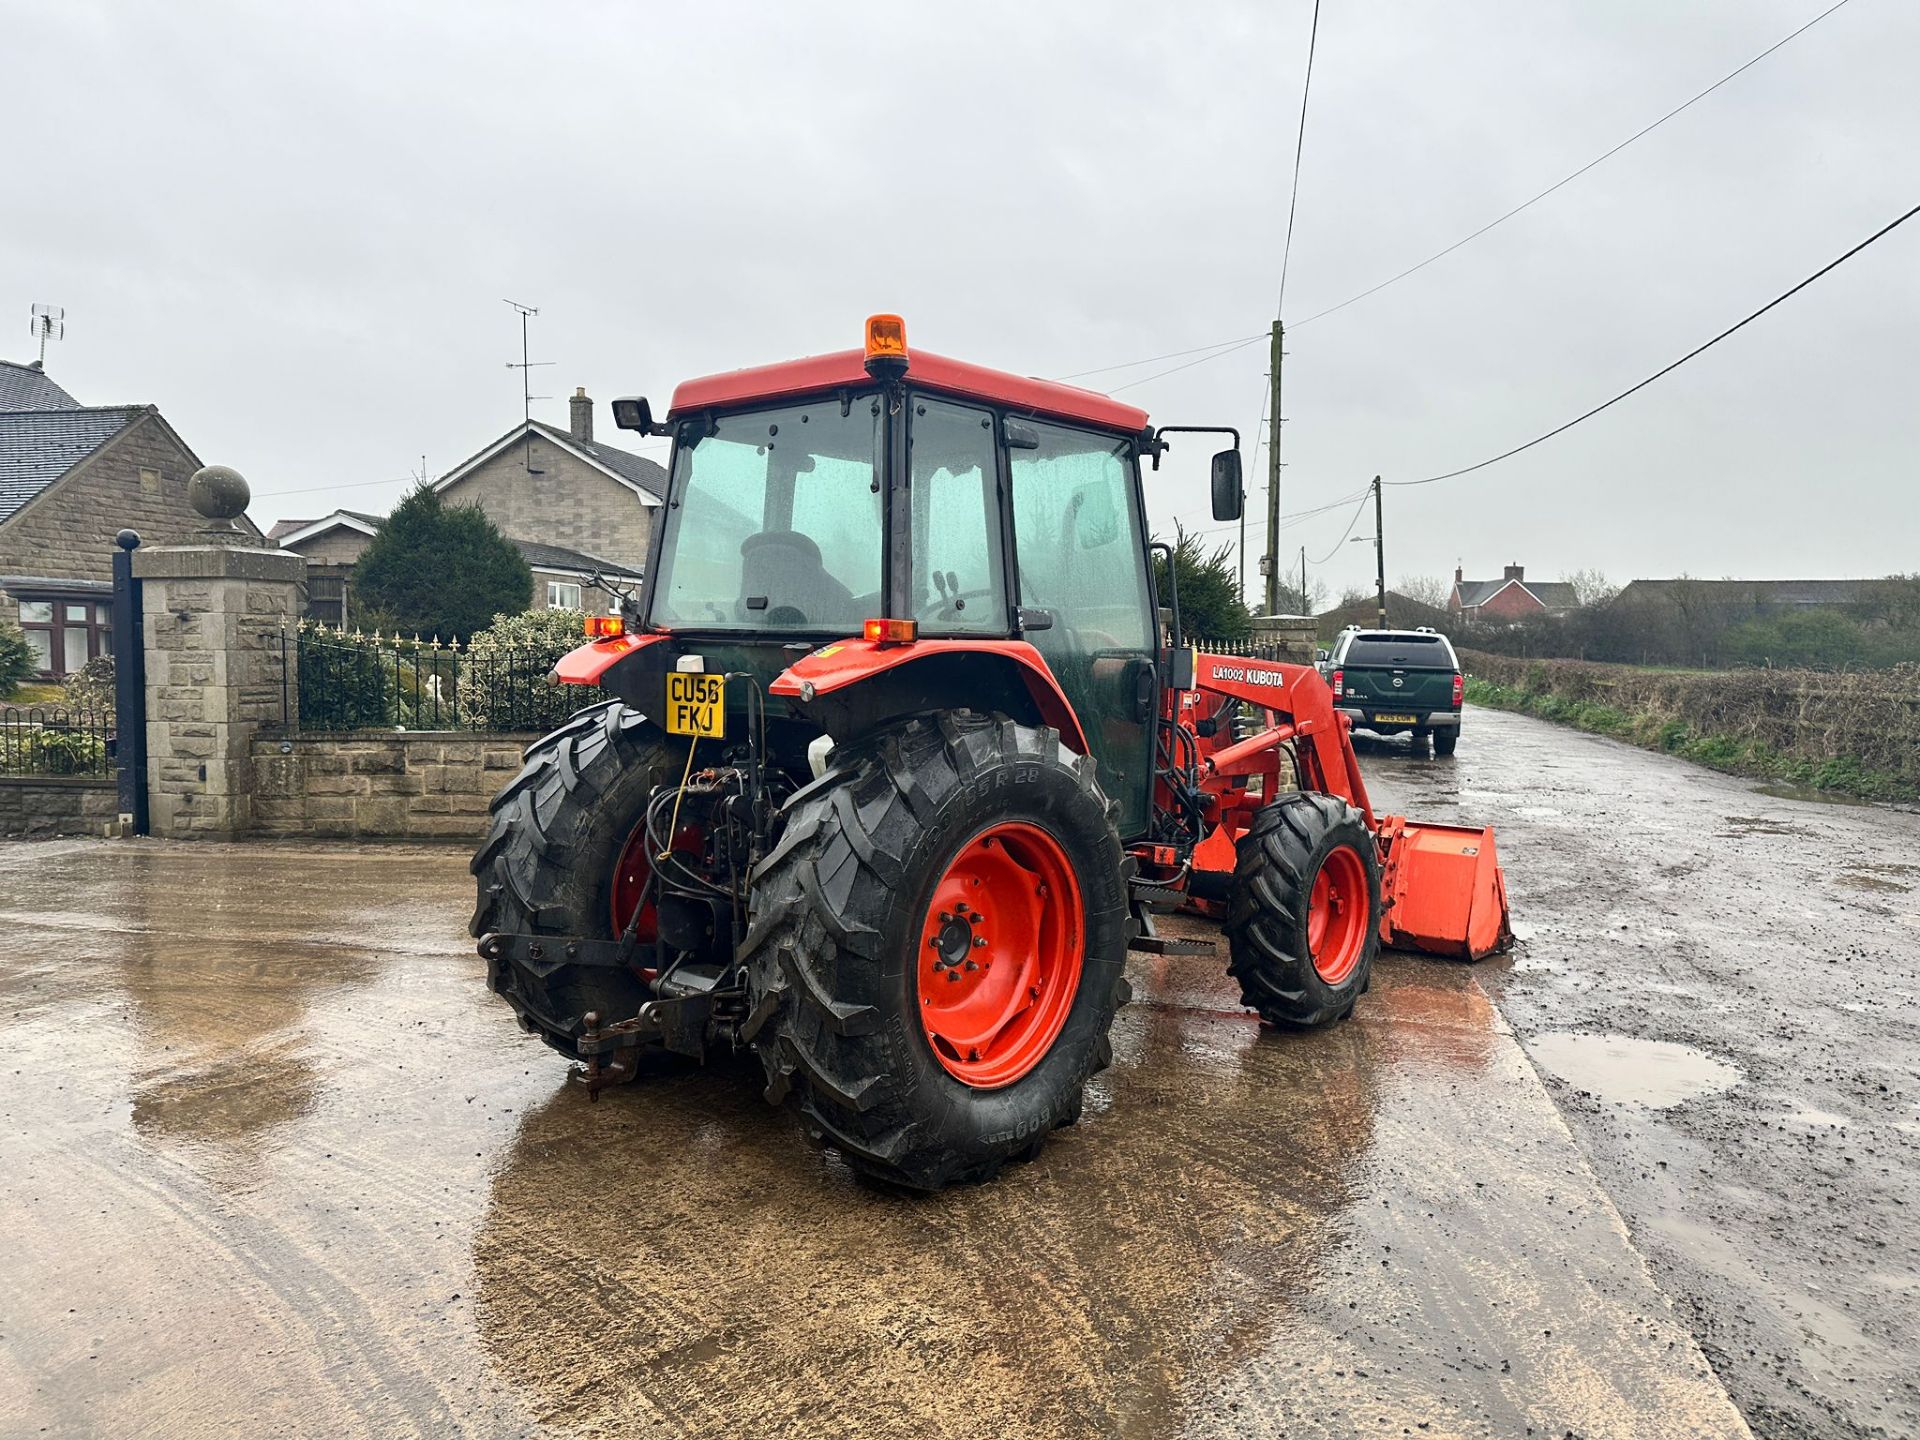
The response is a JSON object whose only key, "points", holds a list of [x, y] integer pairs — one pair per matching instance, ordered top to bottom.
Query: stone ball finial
{"points": [[220, 493]]}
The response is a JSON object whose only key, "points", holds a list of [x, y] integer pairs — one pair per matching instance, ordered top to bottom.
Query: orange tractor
{"points": [[904, 760]]}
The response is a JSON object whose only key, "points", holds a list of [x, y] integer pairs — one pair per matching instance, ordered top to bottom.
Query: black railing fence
{"points": [[1247, 649], [368, 682], [54, 740]]}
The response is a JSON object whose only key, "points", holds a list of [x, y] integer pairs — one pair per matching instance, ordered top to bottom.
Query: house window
{"points": [[562, 596], [62, 634]]}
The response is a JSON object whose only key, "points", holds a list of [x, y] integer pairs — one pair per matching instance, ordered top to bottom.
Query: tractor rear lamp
{"points": [[886, 346], [605, 627], [892, 632], [1336, 683], [1459, 688]]}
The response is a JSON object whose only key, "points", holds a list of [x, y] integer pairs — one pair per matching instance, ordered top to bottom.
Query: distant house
{"points": [[71, 477], [573, 505], [563, 579], [1745, 595], [1511, 597], [1403, 613]]}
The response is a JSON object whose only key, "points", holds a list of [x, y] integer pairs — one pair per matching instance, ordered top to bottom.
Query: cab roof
{"points": [[847, 369]]}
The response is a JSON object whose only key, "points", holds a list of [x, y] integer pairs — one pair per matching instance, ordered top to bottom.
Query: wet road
{"points": [[1722, 989], [272, 1162]]}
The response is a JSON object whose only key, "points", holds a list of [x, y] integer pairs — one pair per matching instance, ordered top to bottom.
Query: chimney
{"points": [[581, 415], [1516, 572], [1459, 575]]}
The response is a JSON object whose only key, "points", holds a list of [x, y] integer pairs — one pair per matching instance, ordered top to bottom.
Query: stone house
{"points": [[71, 477], [573, 505], [1511, 597]]}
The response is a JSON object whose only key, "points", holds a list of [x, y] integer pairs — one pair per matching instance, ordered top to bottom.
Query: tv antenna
{"points": [[49, 323], [526, 367]]}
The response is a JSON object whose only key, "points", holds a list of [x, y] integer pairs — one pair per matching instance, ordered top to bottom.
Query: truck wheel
{"points": [[1444, 741], [562, 857], [1304, 922], [936, 947]]}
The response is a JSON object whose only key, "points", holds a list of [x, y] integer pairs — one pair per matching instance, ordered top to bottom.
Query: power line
{"points": [[1299, 145], [1568, 179], [1221, 346], [1170, 355], [1188, 366], [1669, 369], [1352, 520]]}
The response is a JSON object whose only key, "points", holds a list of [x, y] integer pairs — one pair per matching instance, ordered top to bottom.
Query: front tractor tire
{"points": [[556, 861], [1303, 921], [937, 948]]}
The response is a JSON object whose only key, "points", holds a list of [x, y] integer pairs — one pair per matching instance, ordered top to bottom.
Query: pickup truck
{"points": [[1395, 682]]}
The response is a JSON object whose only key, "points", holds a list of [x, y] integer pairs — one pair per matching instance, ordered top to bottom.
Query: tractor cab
{"points": [[982, 514]]}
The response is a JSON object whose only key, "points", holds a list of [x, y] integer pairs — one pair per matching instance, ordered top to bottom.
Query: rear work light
{"points": [[886, 346], [605, 627], [892, 632], [1336, 683], [1459, 688]]}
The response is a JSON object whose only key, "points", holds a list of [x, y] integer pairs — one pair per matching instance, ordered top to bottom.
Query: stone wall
{"points": [[568, 503], [381, 783], [37, 806]]}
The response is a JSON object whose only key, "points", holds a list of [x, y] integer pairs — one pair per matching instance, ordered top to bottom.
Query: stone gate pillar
{"points": [[215, 612]]}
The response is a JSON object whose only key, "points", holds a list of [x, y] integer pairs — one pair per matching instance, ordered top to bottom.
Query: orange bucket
{"points": [[1441, 889]]}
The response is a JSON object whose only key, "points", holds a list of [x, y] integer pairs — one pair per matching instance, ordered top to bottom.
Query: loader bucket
{"points": [[1441, 890]]}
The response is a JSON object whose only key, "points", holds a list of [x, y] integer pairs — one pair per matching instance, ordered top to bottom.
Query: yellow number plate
{"points": [[696, 705], [1396, 719]]}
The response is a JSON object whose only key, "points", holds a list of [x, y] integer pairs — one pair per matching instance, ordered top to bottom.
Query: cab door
{"points": [[1079, 549]]}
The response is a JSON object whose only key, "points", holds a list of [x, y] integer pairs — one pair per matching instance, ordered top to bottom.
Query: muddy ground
{"points": [[272, 1161], [1770, 1170]]}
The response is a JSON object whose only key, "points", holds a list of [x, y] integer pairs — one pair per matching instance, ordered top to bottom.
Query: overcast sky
{"points": [[291, 227]]}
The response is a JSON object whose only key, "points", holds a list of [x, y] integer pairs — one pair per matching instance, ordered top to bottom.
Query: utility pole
{"points": [[1379, 553], [1271, 567], [1306, 604]]}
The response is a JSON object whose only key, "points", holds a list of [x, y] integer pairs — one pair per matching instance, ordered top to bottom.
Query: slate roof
{"points": [[28, 387], [37, 447], [649, 475], [558, 557], [1758, 592], [1554, 594]]}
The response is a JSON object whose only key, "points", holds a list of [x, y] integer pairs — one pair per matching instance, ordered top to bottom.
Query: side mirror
{"points": [[631, 412], [1226, 485], [1322, 656]]}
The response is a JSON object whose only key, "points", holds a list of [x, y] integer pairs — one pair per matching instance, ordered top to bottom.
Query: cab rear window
{"points": [[1402, 652]]}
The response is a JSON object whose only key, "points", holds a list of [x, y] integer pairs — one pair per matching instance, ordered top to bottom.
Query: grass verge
{"points": [[1842, 774]]}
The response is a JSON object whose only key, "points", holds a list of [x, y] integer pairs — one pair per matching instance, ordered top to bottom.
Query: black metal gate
{"points": [[129, 686]]}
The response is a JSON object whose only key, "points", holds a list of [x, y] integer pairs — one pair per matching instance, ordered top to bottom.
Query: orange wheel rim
{"points": [[1337, 914], [1000, 953]]}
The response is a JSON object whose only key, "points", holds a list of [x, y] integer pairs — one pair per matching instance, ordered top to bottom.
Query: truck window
{"points": [[1401, 652]]}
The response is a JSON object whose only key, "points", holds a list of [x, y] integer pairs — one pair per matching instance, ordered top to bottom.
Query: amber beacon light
{"points": [[886, 346], [605, 627]]}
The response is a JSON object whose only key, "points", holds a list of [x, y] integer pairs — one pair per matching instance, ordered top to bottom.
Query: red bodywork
{"points": [[848, 368], [1441, 886]]}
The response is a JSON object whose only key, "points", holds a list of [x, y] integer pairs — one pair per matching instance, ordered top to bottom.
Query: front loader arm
{"points": [[1298, 707]]}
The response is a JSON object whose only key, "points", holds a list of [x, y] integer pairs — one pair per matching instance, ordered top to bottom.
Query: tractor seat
{"points": [[785, 567]]}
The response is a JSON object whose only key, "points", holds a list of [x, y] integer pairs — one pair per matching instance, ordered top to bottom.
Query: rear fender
{"points": [[589, 663], [853, 685]]}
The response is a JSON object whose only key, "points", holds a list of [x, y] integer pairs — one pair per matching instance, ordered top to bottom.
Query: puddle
{"points": [[1808, 792], [1760, 825], [1854, 880], [1626, 1071]]}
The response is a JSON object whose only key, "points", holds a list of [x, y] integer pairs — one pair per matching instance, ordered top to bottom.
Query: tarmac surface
{"points": [[1721, 985], [272, 1161]]}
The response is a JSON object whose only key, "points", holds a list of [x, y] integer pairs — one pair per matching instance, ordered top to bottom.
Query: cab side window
{"points": [[959, 584]]}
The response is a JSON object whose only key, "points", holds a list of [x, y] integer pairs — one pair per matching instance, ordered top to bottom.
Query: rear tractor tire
{"points": [[561, 858], [1303, 924], [937, 948]]}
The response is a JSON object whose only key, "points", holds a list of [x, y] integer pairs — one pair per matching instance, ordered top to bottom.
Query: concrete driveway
{"points": [[273, 1162]]}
